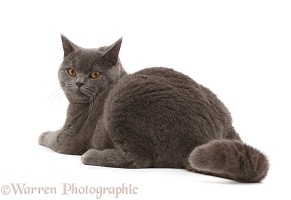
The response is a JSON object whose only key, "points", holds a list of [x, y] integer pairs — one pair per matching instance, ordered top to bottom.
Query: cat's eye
{"points": [[72, 72], [94, 74]]}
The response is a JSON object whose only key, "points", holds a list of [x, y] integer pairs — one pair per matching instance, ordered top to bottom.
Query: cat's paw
{"points": [[43, 138], [90, 157]]}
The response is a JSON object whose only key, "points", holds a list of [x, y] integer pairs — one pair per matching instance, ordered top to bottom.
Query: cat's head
{"points": [[85, 73]]}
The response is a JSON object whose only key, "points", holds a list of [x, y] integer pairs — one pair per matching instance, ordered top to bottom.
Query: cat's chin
{"points": [[78, 97], [80, 100]]}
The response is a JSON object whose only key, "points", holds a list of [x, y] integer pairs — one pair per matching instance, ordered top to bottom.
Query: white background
{"points": [[239, 49]]}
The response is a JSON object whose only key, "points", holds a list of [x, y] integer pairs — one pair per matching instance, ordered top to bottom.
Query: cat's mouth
{"points": [[79, 92], [79, 95], [83, 95], [91, 95]]}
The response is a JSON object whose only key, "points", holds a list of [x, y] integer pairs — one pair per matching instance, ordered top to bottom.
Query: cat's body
{"points": [[156, 117]]}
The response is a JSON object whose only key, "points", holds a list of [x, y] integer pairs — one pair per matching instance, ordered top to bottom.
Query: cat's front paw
{"points": [[42, 140], [91, 157]]}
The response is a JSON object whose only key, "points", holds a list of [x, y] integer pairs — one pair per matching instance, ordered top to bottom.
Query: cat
{"points": [[156, 117]]}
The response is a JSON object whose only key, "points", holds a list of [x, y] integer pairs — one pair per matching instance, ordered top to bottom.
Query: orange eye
{"points": [[72, 72], [94, 74]]}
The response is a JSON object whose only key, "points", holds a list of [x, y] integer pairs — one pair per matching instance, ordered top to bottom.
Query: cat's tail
{"points": [[230, 159]]}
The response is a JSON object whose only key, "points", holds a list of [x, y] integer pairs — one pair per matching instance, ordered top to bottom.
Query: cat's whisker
{"points": [[53, 94], [57, 94], [92, 96], [60, 97], [91, 107]]}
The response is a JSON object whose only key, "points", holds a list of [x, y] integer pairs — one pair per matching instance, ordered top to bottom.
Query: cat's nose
{"points": [[79, 84]]}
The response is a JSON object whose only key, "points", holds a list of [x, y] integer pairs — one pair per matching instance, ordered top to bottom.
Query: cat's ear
{"points": [[68, 46], [112, 51]]}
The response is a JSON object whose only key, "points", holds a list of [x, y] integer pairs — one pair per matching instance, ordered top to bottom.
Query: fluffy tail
{"points": [[230, 159]]}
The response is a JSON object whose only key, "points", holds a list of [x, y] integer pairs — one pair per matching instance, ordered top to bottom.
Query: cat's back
{"points": [[159, 81], [156, 86], [163, 98]]}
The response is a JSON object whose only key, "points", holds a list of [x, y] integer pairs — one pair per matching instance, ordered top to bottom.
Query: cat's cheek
{"points": [[63, 85]]}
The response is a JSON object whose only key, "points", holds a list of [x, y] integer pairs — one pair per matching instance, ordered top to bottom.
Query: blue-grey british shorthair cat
{"points": [[156, 117]]}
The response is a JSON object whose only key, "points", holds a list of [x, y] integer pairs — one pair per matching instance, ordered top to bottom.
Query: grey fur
{"points": [[156, 117]]}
